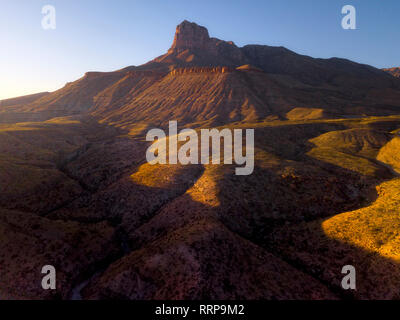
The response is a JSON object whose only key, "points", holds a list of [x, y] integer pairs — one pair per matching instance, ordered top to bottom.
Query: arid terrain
{"points": [[77, 193]]}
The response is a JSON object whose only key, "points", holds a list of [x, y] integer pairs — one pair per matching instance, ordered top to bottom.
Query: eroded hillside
{"points": [[191, 232]]}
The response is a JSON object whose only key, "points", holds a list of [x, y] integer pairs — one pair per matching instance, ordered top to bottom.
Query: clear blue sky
{"points": [[108, 35]]}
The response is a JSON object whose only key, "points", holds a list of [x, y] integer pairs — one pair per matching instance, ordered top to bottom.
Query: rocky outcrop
{"points": [[190, 36], [192, 46], [201, 70]]}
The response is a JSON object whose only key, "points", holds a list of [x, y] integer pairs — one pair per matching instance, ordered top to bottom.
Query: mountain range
{"points": [[250, 83]]}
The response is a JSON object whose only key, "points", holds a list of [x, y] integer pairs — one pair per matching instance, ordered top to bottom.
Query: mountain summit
{"points": [[190, 35], [193, 46]]}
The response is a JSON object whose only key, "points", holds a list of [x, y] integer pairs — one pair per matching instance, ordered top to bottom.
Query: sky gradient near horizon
{"points": [[108, 35]]}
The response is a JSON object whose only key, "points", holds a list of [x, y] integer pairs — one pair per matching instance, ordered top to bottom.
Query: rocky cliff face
{"points": [[190, 36], [192, 46], [201, 70]]}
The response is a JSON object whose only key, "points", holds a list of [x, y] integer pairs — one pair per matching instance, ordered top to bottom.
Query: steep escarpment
{"points": [[176, 71]]}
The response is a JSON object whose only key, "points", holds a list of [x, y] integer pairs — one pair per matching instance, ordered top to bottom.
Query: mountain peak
{"points": [[190, 35]]}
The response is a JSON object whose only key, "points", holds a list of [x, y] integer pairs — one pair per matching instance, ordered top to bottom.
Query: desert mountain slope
{"points": [[190, 95], [74, 98]]}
